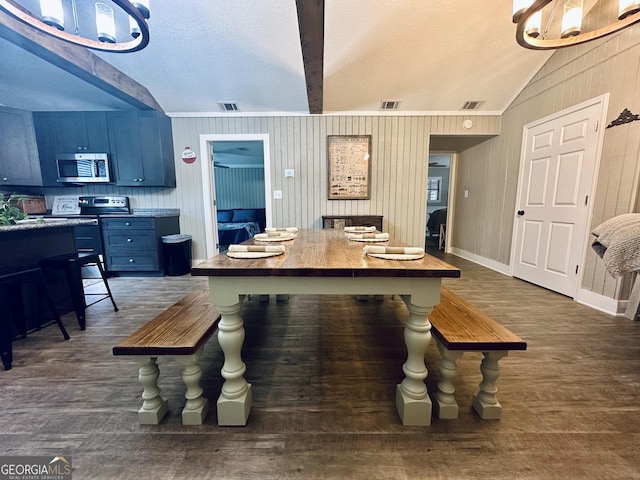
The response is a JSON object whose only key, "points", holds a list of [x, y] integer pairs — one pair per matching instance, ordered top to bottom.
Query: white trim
{"points": [[453, 113], [208, 186], [485, 262], [600, 302]]}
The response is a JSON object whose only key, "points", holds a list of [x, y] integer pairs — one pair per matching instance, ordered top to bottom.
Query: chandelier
{"points": [[550, 24], [112, 25]]}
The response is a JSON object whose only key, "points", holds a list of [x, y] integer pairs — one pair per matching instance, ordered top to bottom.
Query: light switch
{"points": [[289, 173], [277, 194], [466, 194]]}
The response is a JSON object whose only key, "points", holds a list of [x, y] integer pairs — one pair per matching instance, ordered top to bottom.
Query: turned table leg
{"points": [[412, 399], [234, 402], [485, 402], [445, 403], [196, 406], [154, 407]]}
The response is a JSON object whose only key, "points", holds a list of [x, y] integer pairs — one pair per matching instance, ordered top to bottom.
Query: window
{"points": [[434, 189]]}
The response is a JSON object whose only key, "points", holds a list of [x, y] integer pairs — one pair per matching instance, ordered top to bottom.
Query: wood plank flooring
{"points": [[324, 371]]}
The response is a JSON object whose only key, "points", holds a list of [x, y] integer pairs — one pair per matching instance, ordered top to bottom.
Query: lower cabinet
{"points": [[134, 243]]}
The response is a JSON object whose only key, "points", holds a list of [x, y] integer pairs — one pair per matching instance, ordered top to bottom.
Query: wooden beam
{"points": [[311, 25], [78, 61]]}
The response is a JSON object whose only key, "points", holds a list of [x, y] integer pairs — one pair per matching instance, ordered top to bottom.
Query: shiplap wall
{"points": [[399, 167], [489, 171], [239, 188]]}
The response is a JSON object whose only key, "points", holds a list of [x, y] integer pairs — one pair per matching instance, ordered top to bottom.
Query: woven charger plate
{"points": [[266, 238], [369, 239], [253, 254], [397, 256]]}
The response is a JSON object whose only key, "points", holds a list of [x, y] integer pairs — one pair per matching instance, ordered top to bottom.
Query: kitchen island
{"points": [[22, 246]]}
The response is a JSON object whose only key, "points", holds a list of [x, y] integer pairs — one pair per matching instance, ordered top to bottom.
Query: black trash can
{"points": [[177, 254]]}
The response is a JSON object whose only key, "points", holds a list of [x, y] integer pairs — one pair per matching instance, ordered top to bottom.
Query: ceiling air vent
{"points": [[472, 104], [390, 105], [228, 106]]}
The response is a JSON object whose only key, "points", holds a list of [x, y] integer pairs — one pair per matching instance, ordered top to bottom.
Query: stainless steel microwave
{"points": [[83, 168]]}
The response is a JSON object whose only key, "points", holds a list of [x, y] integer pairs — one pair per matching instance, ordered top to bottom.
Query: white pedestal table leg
{"points": [[234, 402], [485, 402], [445, 404], [154, 407]]}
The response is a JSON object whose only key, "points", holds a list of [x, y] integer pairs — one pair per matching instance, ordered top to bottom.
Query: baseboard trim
{"points": [[485, 262], [596, 301], [600, 302]]}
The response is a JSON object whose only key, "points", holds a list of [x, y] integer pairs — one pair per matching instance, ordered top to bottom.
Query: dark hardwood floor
{"points": [[324, 371]]}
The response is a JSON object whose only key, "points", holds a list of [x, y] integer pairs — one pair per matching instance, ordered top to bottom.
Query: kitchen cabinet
{"points": [[67, 132], [81, 132], [142, 148], [19, 164], [133, 243]]}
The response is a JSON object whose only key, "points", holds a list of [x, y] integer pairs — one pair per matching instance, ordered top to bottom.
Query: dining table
{"points": [[324, 262]]}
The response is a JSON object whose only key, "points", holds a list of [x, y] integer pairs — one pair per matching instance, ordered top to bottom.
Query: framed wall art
{"points": [[349, 171]]}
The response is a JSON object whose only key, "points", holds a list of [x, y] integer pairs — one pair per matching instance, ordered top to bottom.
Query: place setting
{"points": [[272, 234], [255, 251], [394, 253]]}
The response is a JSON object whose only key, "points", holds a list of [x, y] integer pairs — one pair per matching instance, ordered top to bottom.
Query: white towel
{"points": [[286, 229], [359, 229], [368, 235], [256, 248], [393, 250]]}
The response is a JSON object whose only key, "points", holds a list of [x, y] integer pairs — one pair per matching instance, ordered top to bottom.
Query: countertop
{"points": [[148, 212], [35, 224]]}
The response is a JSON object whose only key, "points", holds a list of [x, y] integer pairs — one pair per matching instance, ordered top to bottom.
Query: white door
{"points": [[556, 178]]}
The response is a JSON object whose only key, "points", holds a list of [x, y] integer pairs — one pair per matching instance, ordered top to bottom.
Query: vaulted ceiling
{"points": [[283, 56]]}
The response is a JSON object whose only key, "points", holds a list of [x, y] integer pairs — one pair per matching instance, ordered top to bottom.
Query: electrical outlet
{"points": [[277, 194], [466, 194]]}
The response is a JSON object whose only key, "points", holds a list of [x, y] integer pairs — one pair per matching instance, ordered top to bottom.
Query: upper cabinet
{"points": [[81, 132], [141, 146], [19, 163]]}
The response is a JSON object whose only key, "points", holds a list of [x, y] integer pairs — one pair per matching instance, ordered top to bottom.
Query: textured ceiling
{"points": [[427, 55]]}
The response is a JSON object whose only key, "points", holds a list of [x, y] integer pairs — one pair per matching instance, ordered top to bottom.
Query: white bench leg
{"points": [[412, 399], [234, 402], [485, 402], [445, 404], [197, 406], [154, 407]]}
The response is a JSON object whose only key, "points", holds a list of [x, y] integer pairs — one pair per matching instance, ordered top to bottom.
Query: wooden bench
{"points": [[459, 327], [179, 332]]}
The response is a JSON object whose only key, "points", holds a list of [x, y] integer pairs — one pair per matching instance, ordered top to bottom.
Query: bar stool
{"points": [[72, 265], [12, 308]]}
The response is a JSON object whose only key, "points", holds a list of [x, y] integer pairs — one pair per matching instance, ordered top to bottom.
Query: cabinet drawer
{"points": [[128, 223], [134, 240], [136, 261]]}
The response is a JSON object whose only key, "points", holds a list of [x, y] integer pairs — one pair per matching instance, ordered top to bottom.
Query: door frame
{"points": [[602, 122], [453, 172], [208, 182]]}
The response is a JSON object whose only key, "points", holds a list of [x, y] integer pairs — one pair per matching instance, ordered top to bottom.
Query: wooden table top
{"points": [[324, 253]]}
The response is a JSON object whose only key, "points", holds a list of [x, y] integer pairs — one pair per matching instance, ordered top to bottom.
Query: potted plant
{"points": [[9, 211]]}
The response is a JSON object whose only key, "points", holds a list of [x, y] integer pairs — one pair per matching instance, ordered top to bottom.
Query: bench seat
{"points": [[459, 327], [179, 332]]}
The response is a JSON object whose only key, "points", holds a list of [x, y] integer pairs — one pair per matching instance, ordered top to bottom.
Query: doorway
{"points": [[226, 146], [558, 166], [438, 182]]}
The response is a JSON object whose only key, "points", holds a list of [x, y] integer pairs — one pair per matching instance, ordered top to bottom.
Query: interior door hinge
{"points": [[597, 125], [586, 200], [576, 269]]}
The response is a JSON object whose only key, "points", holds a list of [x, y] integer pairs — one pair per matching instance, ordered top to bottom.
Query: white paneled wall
{"points": [[400, 148]]}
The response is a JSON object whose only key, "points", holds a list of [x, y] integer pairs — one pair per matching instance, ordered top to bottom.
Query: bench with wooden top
{"points": [[459, 327], [179, 332]]}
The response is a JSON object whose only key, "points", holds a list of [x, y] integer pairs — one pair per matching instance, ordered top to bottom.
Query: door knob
{"points": [[520, 212]]}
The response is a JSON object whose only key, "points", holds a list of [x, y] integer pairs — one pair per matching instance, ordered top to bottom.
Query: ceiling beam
{"points": [[311, 26], [78, 61]]}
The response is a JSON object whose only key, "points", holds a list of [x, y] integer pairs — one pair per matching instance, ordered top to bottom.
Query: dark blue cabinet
{"points": [[141, 148]]}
